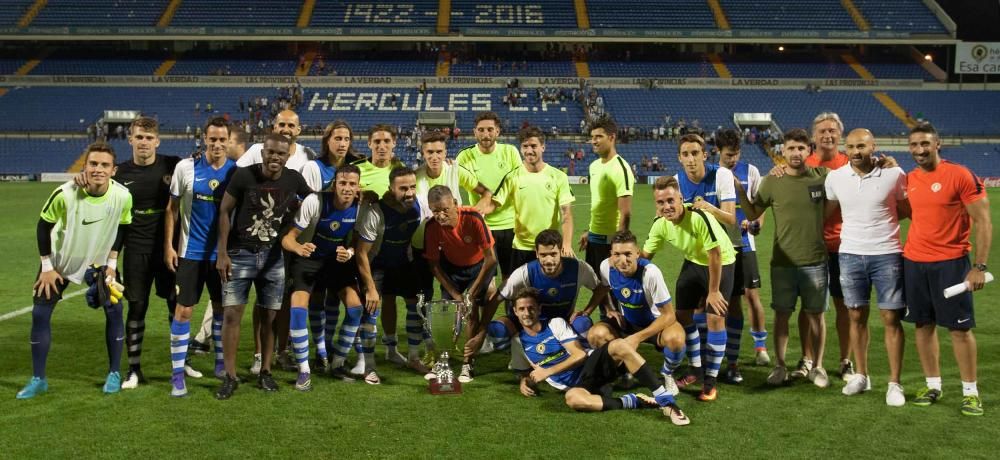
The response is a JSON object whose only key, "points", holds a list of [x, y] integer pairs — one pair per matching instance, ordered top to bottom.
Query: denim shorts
{"points": [[265, 269], [858, 273], [808, 282]]}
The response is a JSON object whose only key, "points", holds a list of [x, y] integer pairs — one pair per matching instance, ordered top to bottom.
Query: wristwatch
{"points": [[980, 267]]}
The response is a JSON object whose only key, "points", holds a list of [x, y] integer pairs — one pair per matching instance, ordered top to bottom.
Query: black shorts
{"points": [[503, 243], [597, 253], [520, 257], [833, 268], [141, 271], [306, 274], [195, 275], [422, 275], [746, 275], [337, 276], [463, 277], [396, 281], [692, 284], [924, 284], [61, 287], [621, 331], [599, 369]]}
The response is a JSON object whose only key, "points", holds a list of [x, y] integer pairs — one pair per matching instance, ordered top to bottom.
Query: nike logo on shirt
{"points": [[88, 222]]}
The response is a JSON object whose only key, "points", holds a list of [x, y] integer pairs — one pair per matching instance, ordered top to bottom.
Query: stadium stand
{"points": [[11, 11], [91, 12], [236, 13], [413, 13], [550, 14], [636, 14], [780, 14], [900, 16], [64, 64], [9, 66], [197, 66], [354, 67], [506, 69], [652, 69], [791, 70], [970, 113]]}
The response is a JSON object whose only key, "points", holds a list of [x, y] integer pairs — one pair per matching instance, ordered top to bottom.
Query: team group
{"points": [[313, 232]]}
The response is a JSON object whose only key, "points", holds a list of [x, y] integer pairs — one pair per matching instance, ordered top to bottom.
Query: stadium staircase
{"points": [[31, 13], [168, 15], [305, 15], [582, 16], [720, 17], [444, 19], [859, 19], [307, 62], [719, 66], [164, 68], [443, 68], [883, 98]]}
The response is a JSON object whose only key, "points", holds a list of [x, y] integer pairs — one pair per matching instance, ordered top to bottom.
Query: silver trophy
{"points": [[462, 313]]}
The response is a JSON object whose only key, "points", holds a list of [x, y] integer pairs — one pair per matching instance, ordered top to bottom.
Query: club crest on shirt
{"points": [[166, 179], [212, 184], [936, 187], [334, 225], [467, 239], [553, 292], [626, 292], [540, 348]]}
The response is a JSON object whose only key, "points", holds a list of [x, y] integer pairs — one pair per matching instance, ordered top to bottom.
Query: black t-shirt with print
{"points": [[263, 206]]}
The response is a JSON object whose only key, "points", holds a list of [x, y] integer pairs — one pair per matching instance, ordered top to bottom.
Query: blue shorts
{"points": [[265, 269], [858, 273], [807, 281], [924, 286]]}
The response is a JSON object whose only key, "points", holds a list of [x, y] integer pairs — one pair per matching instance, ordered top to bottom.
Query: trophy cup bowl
{"points": [[444, 321]]}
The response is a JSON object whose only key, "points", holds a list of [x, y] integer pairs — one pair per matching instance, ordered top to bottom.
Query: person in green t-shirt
{"points": [[484, 167], [375, 170], [611, 185], [541, 199], [79, 226], [798, 264], [707, 274]]}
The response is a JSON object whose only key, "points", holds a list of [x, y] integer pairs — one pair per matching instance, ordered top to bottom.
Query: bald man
{"points": [[287, 124], [871, 200]]}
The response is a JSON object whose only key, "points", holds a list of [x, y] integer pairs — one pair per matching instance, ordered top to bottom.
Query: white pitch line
{"points": [[16, 313]]}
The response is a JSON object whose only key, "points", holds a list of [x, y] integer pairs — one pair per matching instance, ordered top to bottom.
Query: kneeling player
{"points": [[327, 258], [469, 263], [647, 312], [552, 350]]}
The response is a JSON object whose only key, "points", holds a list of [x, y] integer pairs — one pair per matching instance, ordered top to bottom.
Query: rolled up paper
{"points": [[962, 287]]}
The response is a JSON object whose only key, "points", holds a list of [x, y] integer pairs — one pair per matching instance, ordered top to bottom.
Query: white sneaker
{"points": [[487, 347], [394, 357], [762, 358], [255, 367], [803, 369], [192, 372], [466, 375], [778, 376], [819, 378], [131, 382], [856, 384], [670, 385], [895, 396]]}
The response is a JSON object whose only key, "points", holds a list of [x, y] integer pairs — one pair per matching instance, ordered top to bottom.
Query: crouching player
{"points": [[79, 226], [324, 262], [558, 280], [647, 311], [555, 356]]}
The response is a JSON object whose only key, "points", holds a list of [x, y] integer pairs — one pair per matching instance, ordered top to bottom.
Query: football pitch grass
{"points": [[399, 419]]}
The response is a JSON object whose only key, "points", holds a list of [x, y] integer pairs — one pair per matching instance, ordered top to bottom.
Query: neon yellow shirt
{"points": [[489, 169], [608, 182], [537, 198], [694, 236]]}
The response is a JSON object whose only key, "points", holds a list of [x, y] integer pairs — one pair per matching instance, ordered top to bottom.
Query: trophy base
{"points": [[453, 388]]}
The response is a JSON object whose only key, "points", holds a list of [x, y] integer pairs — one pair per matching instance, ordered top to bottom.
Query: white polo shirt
{"points": [[868, 207]]}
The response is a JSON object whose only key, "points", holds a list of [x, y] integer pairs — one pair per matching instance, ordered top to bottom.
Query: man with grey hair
{"points": [[827, 131]]}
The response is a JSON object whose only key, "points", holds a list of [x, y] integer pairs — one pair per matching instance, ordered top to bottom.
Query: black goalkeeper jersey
{"points": [[150, 189]]}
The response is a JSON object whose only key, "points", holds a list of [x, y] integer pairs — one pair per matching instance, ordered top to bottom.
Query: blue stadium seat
{"points": [[12, 10], [100, 12], [237, 13], [413, 13], [529, 14], [637, 14], [785, 15], [900, 16], [65, 65], [9, 66], [196, 66], [347, 67], [533, 69], [691, 69], [833, 69], [973, 113]]}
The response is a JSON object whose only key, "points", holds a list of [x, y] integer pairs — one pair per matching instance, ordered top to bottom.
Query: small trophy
{"points": [[444, 381]]}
